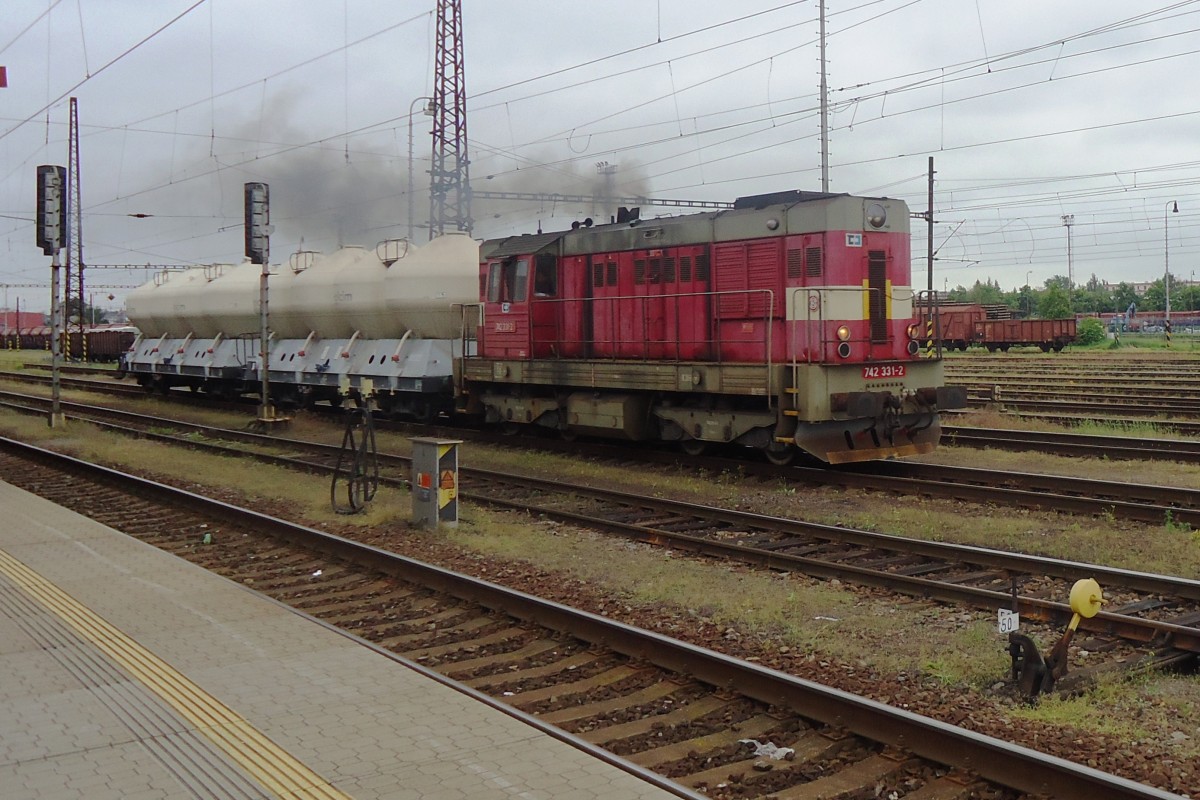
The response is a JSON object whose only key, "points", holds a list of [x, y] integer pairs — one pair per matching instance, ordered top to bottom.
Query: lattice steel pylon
{"points": [[449, 175], [74, 232]]}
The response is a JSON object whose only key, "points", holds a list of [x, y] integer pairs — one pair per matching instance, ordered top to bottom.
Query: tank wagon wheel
{"points": [[287, 401], [568, 434], [693, 447], [780, 454]]}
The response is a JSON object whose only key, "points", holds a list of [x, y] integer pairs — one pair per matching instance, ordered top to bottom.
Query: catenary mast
{"points": [[449, 176]]}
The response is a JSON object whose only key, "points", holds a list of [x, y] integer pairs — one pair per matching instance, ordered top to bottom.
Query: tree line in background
{"points": [[1052, 300]]}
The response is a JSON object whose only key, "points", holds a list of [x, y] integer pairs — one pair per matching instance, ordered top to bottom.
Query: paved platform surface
{"points": [[128, 673]]}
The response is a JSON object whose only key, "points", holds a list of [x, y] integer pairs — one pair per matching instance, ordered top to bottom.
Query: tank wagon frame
{"points": [[386, 323]]}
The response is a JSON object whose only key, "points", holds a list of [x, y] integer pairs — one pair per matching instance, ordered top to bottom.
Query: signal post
{"points": [[51, 224]]}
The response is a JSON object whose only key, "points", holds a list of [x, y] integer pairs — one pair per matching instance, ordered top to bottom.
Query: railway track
{"points": [[1107, 387], [1075, 400], [1063, 444], [1072, 444], [1124, 500], [1157, 614], [689, 717]]}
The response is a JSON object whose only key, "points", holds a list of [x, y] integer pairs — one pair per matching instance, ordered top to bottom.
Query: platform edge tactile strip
{"points": [[190, 758], [272, 766]]}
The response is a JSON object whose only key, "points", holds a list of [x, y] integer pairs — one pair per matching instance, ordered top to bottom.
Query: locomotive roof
{"points": [[789, 196], [746, 216], [516, 245]]}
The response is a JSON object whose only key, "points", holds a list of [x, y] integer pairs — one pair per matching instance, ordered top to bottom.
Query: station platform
{"points": [[128, 673]]}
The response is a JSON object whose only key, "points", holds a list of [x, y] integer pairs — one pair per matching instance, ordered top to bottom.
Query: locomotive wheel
{"points": [[693, 447], [779, 454]]}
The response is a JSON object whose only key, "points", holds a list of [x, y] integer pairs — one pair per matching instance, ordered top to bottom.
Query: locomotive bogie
{"points": [[833, 413]]}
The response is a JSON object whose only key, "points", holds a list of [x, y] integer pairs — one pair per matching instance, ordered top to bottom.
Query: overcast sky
{"points": [[1032, 110]]}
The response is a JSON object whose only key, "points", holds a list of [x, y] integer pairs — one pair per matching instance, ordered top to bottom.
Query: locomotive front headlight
{"points": [[876, 215], [914, 331], [843, 333], [843, 349]]}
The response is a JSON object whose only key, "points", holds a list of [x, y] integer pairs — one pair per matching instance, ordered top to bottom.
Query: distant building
{"points": [[1141, 286], [10, 320]]}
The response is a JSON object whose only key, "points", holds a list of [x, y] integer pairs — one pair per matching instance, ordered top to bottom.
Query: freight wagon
{"points": [[961, 326], [1048, 334], [104, 344]]}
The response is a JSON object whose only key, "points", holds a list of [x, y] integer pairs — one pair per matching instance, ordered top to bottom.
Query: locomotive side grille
{"points": [[812, 262], [795, 264], [702, 267], [685, 269], [655, 270], [668, 270], [639, 271], [762, 272], [598, 274], [611, 278], [730, 281], [877, 294]]}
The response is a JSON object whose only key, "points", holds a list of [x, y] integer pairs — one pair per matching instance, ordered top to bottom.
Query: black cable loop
{"points": [[357, 467]]}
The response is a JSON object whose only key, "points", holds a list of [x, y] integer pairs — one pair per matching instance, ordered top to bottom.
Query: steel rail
{"points": [[1072, 444]]}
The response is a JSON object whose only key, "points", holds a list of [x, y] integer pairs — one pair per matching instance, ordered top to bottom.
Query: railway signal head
{"points": [[51, 210]]}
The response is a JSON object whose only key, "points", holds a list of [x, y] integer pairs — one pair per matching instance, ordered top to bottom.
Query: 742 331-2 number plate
{"points": [[877, 371]]}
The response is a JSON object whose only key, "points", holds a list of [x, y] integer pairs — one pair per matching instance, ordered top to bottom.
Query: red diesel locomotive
{"points": [[785, 324]]}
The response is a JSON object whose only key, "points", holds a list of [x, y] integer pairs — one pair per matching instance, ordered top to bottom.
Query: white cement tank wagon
{"points": [[386, 293]]}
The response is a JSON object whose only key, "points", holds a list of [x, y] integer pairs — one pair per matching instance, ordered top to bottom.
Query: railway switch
{"points": [[1036, 674]]}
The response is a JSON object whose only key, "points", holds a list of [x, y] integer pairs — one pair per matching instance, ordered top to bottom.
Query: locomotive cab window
{"points": [[545, 276], [507, 281]]}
